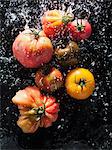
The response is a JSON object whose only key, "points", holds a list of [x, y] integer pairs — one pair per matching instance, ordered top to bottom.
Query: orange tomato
{"points": [[54, 22], [80, 83]]}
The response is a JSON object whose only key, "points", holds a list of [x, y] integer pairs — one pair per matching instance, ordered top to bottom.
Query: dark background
{"points": [[82, 125]]}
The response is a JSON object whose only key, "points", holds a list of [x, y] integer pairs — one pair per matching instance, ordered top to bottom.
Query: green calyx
{"points": [[66, 19], [80, 27], [35, 33], [82, 83], [39, 111], [36, 113]]}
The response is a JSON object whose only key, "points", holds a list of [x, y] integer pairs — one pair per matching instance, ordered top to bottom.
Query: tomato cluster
{"points": [[56, 22], [33, 48]]}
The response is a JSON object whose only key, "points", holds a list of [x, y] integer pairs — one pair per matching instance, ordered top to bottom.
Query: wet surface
{"points": [[81, 124]]}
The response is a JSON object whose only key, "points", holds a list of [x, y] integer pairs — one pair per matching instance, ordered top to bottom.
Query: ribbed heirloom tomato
{"points": [[54, 22], [79, 29], [32, 48], [80, 83], [36, 110]]}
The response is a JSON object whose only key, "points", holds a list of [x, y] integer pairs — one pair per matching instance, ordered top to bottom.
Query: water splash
{"points": [[95, 53]]}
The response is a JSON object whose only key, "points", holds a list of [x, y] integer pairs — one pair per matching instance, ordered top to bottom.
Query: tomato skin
{"points": [[48, 24], [53, 24], [82, 34], [32, 51], [68, 56], [50, 82], [80, 83], [27, 97], [30, 102], [27, 125]]}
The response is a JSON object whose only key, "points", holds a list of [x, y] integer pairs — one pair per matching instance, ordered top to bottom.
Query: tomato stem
{"points": [[67, 18], [80, 27], [35, 33], [82, 83], [38, 112]]}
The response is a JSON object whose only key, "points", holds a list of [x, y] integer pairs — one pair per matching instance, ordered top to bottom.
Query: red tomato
{"points": [[54, 22], [79, 29], [32, 48], [49, 82], [35, 109]]}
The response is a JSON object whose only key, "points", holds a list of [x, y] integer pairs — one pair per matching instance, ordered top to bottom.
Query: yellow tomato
{"points": [[80, 83]]}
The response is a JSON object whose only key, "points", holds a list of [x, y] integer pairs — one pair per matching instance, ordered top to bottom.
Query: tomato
{"points": [[54, 22], [79, 29], [32, 48], [68, 55], [50, 82], [80, 83], [36, 110]]}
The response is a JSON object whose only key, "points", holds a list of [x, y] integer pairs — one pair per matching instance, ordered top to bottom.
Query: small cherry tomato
{"points": [[54, 22], [79, 29], [32, 48], [49, 82], [80, 83], [36, 110]]}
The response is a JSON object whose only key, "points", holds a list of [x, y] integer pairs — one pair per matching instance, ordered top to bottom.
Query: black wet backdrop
{"points": [[81, 125]]}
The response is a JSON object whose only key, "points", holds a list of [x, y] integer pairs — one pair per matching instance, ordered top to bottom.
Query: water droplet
{"points": [[93, 63], [59, 126], [110, 134]]}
